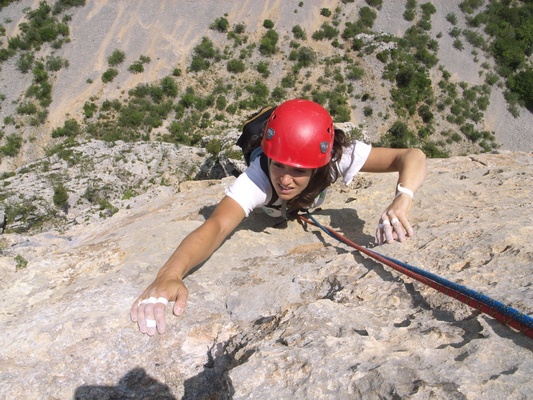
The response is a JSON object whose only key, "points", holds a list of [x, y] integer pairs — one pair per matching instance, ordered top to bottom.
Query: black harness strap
{"points": [[264, 166]]}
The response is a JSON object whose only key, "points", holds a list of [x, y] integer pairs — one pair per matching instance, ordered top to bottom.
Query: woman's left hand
{"points": [[394, 223]]}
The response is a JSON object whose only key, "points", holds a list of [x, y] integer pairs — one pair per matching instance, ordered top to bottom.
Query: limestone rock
{"points": [[280, 311]]}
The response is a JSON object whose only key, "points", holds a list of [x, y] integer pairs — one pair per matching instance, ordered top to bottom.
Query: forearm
{"points": [[411, 167], [202, 242], [197, 247]]}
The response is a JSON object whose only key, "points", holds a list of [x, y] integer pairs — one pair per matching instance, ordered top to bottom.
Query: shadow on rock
{"points": [[214, 382], [136, 384]]}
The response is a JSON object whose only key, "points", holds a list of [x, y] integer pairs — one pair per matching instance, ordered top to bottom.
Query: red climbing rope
{"points": [[478, 305]]}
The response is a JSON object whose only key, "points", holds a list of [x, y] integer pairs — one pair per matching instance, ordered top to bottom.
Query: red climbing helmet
{"points": [[299, 133]]}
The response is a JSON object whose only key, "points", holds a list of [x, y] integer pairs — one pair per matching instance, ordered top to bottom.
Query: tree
{"points": [[522, 83]]}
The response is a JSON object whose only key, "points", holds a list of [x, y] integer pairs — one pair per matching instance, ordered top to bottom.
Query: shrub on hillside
{"points": [[268, 43], [117, 57], [109, 75], [70, 128]]}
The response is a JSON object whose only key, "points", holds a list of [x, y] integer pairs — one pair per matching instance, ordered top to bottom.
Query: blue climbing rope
{"points": [[500, 311]]}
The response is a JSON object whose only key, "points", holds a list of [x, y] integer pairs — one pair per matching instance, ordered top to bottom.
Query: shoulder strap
{"points": [[252, 132], [264, 166]]}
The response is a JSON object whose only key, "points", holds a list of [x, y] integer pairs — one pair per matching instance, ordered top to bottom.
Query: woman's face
{"points": [[289, 181]]}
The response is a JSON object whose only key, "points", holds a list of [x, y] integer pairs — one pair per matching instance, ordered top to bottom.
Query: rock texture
{"points": [[280, 311]]}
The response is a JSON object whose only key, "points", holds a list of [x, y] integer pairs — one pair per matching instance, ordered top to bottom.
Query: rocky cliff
{"points": [[280, 311]]}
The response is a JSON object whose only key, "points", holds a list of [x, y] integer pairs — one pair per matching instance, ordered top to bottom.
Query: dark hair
{"points": [[322, 177]]}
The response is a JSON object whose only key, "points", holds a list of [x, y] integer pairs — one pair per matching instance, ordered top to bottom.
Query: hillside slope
{"points": [[168, 32]]}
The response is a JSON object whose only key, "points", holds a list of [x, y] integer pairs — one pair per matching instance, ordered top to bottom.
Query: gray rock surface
{"points": [[280, 311]]}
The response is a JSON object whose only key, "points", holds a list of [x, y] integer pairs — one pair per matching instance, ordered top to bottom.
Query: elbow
{"points": [[419, 154], [420, 158]]}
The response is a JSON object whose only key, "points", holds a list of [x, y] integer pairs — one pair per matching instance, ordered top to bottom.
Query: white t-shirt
{"points": [[252, 188]]}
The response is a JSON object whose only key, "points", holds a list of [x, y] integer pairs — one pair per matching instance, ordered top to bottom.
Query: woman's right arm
{"points": [[193, 250]]}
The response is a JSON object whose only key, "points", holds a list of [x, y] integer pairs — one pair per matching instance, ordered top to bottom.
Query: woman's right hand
{"points": [[149, 308]]}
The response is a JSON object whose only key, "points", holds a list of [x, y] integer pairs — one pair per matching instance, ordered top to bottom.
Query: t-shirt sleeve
{"points": [[352, 160], [251, 189]]}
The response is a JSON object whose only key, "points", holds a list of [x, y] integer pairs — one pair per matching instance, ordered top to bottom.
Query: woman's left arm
{"points": [[411, 167]]}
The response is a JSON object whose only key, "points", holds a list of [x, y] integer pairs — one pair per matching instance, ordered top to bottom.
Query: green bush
{"points": [[375, 3], [469, 6], [325, 12], [409, 15], [367, 16], [451, 18], [268, 24], [221, 25], [326, 31], [299, 33], [268, 43], [205, 49], [383, 56], [117, 57], [305, 57], [25, 62], [55, 63], [235, 66], [136, 67], [262, 68], [109, 75], [522, 84], [412, 86], [169, 87], [278, 94], [221, 103], [26, 108], [89, 108], [425, 113], [70, 128], [399, 136], [12, 146], [214, 147], [432, 151], [60, 197], [20, 262]]}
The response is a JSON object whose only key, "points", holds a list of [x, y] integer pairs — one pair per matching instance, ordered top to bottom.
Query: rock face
{"points": [[280, 311]]}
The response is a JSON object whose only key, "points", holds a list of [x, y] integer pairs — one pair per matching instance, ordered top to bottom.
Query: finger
{"points": [[408, 228], [398, 229], [387, 231], [378, 235], [181, 301], [133, 311], [159, 312], [140, 317], [149, 319]]}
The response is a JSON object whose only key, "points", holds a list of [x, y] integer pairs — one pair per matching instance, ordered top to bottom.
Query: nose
{"points": [[285, 179]]}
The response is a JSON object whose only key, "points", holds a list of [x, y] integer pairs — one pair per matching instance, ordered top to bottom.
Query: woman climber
{"points": [[302, 155]]}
